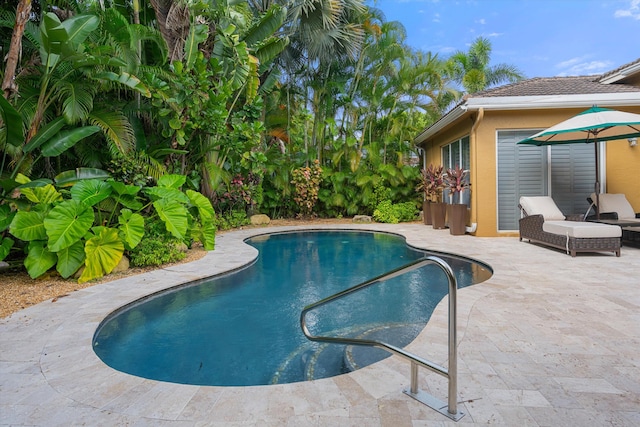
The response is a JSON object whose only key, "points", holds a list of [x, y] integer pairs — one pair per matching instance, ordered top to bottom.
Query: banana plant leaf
{"points": [[12, 123], [44, 134], [64, 140], [70, 177]]}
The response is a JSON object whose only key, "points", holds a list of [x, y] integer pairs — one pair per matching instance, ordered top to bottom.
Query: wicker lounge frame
{"points": [[531, 229]]}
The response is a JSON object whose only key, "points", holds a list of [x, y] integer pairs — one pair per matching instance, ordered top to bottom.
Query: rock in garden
{"points": [[260, 219], [362, 219], [123, 265]]}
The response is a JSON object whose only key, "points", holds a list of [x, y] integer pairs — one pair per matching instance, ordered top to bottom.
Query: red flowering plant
{"points": [[455, 181], [431, 182]]}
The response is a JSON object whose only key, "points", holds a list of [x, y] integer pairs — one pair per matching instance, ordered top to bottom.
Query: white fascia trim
{"points": [[626, 72], [555, 101], [531, 103], [445, 121]]}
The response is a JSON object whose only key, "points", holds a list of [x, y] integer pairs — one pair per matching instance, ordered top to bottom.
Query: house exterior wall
{"points": [[622, 161], [623, 168]]}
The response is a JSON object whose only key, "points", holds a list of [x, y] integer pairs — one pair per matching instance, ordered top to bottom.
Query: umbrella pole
{"points": [[597, 185]]}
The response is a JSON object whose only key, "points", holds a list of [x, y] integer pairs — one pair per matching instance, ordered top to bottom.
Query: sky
{"points": [[542, 38]]}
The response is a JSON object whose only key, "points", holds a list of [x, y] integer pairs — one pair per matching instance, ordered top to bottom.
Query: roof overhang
{"points": [[622, 74], [505, 103]]}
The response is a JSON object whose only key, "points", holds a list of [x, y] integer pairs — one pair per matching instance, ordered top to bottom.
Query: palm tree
{"points": [[472, 70]]}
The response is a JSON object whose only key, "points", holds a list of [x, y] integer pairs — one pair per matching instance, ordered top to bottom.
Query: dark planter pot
{"points": [[426, 212], [438, 213], [457, 219]]}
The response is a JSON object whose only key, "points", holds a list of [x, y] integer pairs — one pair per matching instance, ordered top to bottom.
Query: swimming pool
{"points": [[242, 328]]}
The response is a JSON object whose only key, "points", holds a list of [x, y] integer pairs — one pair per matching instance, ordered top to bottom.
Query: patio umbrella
{"points": [[591, 126]]}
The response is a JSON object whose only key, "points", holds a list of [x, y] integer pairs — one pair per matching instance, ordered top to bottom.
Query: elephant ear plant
{"points": [[95, 221]]}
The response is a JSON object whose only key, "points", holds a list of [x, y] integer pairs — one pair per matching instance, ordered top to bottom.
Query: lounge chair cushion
{"points": [[618, 203], [541, 205], [581, 229]]}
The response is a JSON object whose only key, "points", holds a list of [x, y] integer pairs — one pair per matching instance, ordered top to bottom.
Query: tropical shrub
{"points": [[307, 184], [394, 213], [96, 220], [156, 251]]}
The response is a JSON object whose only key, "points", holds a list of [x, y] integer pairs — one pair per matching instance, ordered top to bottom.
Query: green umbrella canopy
{"points": [[593, 125]]}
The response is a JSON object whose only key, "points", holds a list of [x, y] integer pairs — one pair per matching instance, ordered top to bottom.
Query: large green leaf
{"points": [[268, 24], [78, 28], [197, 34], [52, 35], [12, 123], [44, 134], [64, 140], [70, 177], [172, 181], [122, 189], [91, 191], [156, 193], [40, 194], [129, 202], [205, 210], [6, 216], [174, 216], [67, 223], [28, 226], [131, 228], [208, 235], [5, 247], [103, 253], [39, 259], [70, 259]]}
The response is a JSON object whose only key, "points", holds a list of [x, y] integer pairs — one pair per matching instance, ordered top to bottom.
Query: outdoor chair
{"points": [[613, 206], [542, 222]]}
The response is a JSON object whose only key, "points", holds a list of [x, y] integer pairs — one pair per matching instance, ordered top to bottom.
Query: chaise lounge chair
{"points": [[614, 207], [544, 223]]}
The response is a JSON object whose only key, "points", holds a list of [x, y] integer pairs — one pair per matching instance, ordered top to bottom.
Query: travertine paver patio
{"points": [[549, 340]]}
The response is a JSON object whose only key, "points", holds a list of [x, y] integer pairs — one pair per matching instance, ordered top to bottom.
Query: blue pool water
{"points": [[243, 328]]}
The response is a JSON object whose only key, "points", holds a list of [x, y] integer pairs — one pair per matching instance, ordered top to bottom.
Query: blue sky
{"points": [[543, 38]]}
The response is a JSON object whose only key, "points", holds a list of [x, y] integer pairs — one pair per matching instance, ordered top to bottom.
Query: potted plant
{"points": [[431, 183], [457, 212]]}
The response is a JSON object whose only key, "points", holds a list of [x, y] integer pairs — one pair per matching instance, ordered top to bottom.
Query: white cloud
{"points": [[632, 12], [436, 17], [481, 21], [494, 34], [582, 66]]}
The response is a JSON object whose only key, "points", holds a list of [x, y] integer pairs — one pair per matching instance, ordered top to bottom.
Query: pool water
{"points": [[243, 328]]}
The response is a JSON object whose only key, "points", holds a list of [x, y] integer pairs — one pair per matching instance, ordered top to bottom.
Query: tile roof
{"points": [[620, 68], [541, 86]]}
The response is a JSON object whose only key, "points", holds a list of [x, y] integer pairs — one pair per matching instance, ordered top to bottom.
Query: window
{"points": [[457, 154]]}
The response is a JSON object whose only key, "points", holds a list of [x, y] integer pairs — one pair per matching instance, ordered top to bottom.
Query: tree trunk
{"points": [[22, 17]]}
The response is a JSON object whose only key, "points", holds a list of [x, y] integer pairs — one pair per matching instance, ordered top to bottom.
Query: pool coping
{"points": [[51, 345]]}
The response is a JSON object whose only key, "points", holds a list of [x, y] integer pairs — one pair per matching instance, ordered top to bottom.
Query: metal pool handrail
{"points": [[450, 410]]}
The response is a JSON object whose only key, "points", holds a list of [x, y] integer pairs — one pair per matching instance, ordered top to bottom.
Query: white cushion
{"points": [[615, 203], [541, 205], [581, 229]]}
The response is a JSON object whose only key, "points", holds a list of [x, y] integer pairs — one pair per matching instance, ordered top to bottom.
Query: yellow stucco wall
{"points": [[623, 162], [623, 168]]}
